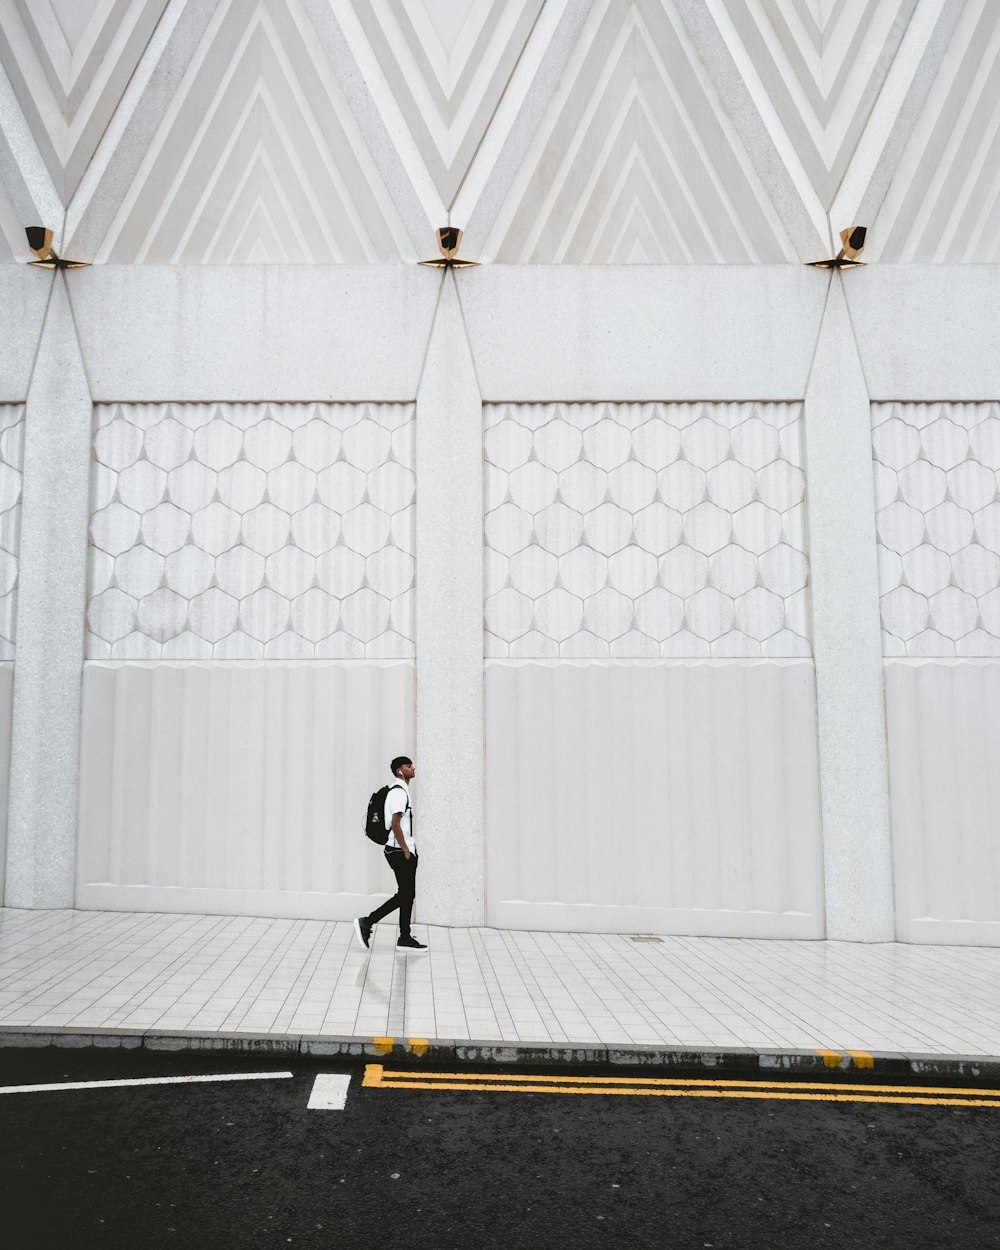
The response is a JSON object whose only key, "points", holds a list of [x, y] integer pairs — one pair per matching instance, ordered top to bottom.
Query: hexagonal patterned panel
{"points": [[11, 460], [937, 501], [637, 530], [241, 531]]}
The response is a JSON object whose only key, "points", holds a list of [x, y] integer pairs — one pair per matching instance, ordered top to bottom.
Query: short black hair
{"points": [[398, 763]]}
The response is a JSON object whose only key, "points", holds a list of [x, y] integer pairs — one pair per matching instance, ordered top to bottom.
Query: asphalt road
{"points": [[247, 1165]]}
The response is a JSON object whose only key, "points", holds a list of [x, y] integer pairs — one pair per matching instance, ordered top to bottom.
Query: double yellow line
{"points": [[378, 1077]]}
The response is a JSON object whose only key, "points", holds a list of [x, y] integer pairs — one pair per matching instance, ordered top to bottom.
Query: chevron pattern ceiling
{"points": [[552, 131]]}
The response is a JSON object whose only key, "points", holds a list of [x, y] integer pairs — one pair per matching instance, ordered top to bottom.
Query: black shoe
{"points": [[363, 931], [410, 946]]}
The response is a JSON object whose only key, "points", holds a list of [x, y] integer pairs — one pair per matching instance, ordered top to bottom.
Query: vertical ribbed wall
{"points": [[944, 742], [236, 787], [671, 796]]}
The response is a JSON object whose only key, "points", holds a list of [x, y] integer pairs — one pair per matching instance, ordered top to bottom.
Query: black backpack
{"points": [[375, 827]]}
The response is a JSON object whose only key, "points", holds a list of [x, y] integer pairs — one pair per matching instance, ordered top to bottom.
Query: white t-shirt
{"points": [[398, 800]]}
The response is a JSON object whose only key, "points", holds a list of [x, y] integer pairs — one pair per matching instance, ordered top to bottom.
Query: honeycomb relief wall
{"points": [[937, 495], [639, 530], [245, 531]]}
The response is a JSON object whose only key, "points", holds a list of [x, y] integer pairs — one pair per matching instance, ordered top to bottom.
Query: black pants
{"points": [[406, 886]]}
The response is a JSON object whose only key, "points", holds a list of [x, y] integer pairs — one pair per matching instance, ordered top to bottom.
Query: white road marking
{"points": [[146, 1080], [329, 1092]]}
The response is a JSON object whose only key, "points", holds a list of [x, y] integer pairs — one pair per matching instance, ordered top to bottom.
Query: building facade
{"points": [[674, 562]]}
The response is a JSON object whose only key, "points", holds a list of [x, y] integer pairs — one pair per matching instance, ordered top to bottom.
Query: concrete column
{"points": [[847, 636], [448, 792], [41, 835]]}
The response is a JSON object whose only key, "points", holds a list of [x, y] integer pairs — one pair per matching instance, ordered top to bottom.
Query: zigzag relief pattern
{"points": [[69, 62], [446, 66], [816, 70], [336, 131], [259, 158], [637, 160], [944, 202]]}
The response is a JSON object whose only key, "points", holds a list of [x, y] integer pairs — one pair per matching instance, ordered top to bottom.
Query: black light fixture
{"points": [[448, 240], [853, 240], [40, 242]]}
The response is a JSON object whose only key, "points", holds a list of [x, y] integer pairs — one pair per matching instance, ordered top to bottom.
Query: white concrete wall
{"points": [[642, 179], [644, 561], [664, 797]]}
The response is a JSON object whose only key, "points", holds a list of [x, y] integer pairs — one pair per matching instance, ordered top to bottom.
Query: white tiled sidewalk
{"points": [[142, 973]]}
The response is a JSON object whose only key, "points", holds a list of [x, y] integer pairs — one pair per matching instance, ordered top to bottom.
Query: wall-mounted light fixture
{"points": [[853, 239], [448, 240], [40, 242]]}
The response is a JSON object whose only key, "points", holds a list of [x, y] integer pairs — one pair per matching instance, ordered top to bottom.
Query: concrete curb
{"points": [[437, 1051]]}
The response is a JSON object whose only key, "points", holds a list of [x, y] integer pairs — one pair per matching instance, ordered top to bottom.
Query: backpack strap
{"points": [[400, 786]]}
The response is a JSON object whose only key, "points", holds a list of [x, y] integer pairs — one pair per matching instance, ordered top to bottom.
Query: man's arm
{"points": [[397, 829]]}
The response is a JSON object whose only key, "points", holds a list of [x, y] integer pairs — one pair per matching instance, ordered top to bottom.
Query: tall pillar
{"points": [[449, 618], [41, 834], [857, 846]]}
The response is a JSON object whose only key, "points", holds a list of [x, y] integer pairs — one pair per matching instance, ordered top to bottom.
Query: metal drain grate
{"points": [[644, 937]]}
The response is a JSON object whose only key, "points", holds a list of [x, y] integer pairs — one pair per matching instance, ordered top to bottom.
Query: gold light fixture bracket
{"points": [[853, 240], [448, 241], [40, 242]]}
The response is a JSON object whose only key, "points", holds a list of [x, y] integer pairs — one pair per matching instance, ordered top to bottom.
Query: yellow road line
{"points": [[383, 1045], [375, 1076], [410, 1077]]}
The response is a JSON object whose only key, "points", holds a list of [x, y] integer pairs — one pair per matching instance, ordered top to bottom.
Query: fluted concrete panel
{"points": [[577, 332], [250, 333], [944, 740], [237, 788], [668, 797]]}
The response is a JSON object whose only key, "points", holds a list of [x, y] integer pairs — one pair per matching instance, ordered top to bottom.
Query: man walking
{"points": [[401, 855]]}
